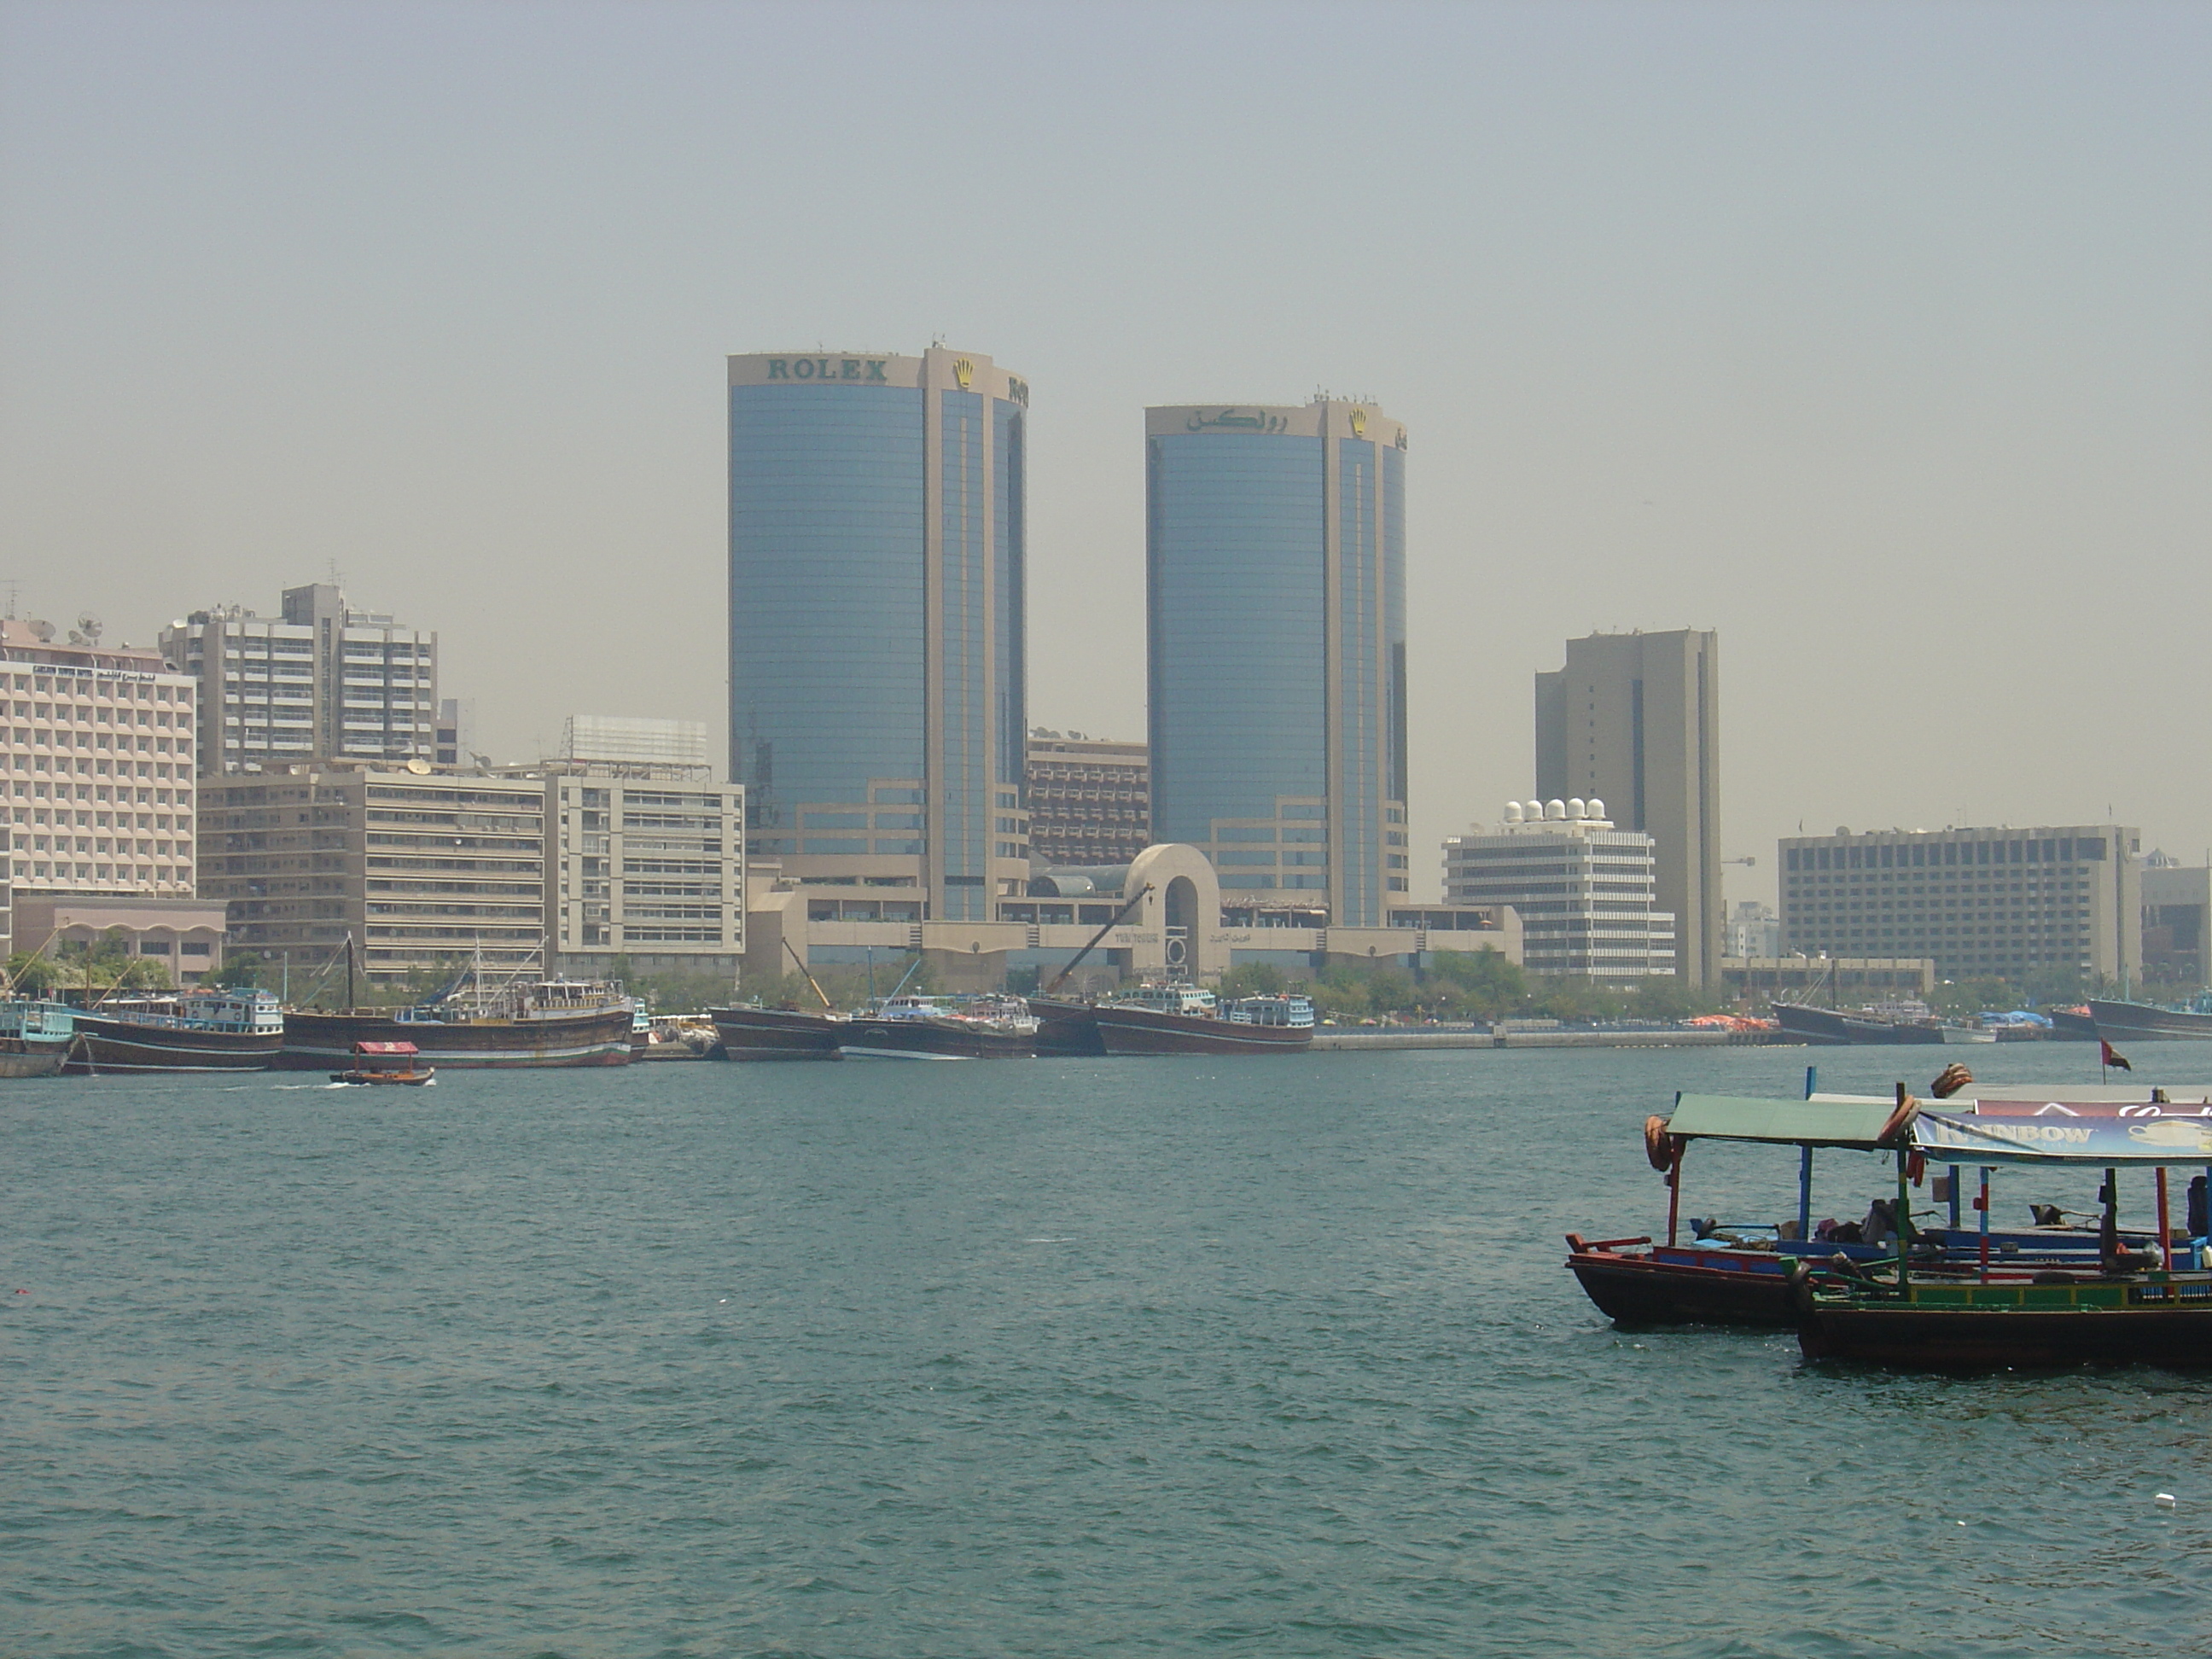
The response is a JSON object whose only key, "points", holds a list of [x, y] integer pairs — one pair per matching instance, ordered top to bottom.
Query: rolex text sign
{"points": [[828, 368]]}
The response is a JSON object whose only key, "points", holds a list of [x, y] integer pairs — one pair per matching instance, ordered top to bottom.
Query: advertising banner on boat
{"points": [[2063, 1136]]}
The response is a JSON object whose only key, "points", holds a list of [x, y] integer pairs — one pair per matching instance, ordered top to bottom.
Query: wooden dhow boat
{"points": [[1187, 1019], [532, 1022], [941, 1028], [177, 1031], [752, 1032], [34, 1036]]}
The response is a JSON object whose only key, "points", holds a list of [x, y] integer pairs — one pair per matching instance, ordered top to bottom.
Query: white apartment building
{"points": [[322, 682], [95, 769], [652, 870], [1585, 891]]}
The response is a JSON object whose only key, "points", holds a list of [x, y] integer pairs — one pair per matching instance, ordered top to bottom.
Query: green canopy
{"points": [[1789, 1122]]}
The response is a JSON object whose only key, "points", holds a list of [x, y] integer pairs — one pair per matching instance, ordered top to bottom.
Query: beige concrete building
{"points": [[321, 682], [1634, 719], [96, 791], [1090, 800], [561, 866], [419, 869], [651, 871], [2014, 904], [2177, 921], [1182, 928], [185, 936], [1841, 982]]}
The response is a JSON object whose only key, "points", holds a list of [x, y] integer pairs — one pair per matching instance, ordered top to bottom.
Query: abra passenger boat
{"points": [[1187, 1019], [178, 1031], [34, 1036], [2134, 1307]]}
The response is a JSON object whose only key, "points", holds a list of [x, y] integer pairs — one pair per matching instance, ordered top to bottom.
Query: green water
{"points": [[1270, 1357]]}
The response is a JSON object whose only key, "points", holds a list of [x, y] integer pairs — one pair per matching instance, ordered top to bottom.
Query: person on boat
{"points": [[2197, 1208], [1879, 1226]]}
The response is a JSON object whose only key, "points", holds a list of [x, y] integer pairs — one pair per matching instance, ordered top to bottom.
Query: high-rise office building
{"points": [[876, 547], [1275, 550], [322, 682], [1634, 719], [2062, 904]]}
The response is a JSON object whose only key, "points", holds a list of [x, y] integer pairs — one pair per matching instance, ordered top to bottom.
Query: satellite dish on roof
{"points": [[87, 631], [421, 768]]}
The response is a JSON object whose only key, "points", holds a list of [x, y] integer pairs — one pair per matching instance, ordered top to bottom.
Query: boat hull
{"points": [[2135, 1022], [1799, 1023], [2067, 1027], [1066, 1029], [1148, 1031], [777, 1033], [931, 1039], [324, 1042], [106, 1045], [31, 1062], [1649, 1290], [1973, 1338]]}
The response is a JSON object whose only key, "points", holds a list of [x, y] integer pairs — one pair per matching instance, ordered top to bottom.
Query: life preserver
{"points": [[1952, 1078], [1897, 1121], [1659, 1147]]}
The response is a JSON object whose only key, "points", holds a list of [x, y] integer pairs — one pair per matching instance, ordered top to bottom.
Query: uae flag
{"points": [[2114, 1057]]}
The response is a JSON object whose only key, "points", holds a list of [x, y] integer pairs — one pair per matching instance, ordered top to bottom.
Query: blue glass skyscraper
{"points": [[1275, 552], [877, 702]]}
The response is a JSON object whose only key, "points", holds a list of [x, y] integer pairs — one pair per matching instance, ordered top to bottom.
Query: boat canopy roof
{"points": [[386, 1048], [1788, 1123], [1955, 1138]]}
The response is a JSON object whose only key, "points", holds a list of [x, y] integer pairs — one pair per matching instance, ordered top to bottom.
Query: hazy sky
{"points": [[1877, 336]]}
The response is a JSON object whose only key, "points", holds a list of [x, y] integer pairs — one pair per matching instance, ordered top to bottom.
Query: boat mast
{"points": [[1075, 960], [808, 977], [349, 1003]]}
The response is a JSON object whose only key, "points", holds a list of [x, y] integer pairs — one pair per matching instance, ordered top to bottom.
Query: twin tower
{"points": [[878, 638]]}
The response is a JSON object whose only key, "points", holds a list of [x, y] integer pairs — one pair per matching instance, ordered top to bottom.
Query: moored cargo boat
{"points": [[1186, 1019], [2143, 1022], [542, 1023], [1802, 1023], [941, 1028], [1066, 1029], [178, 1031], [778, 1033], [34, 1036]]}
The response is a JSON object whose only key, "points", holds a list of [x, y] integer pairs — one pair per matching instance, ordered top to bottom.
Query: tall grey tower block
{"points": [[1634, 720]]}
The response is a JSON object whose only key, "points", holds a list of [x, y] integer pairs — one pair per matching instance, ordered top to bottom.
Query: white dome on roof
{"points": [[1574, 807], [1594, 807], [1555, 810], [1513, 811]]}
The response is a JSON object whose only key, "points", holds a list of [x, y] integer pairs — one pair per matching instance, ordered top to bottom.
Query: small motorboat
{"points": [[386, 1062]]}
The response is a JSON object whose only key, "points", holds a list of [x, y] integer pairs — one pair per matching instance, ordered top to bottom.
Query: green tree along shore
{"points": [[105, 964]]}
